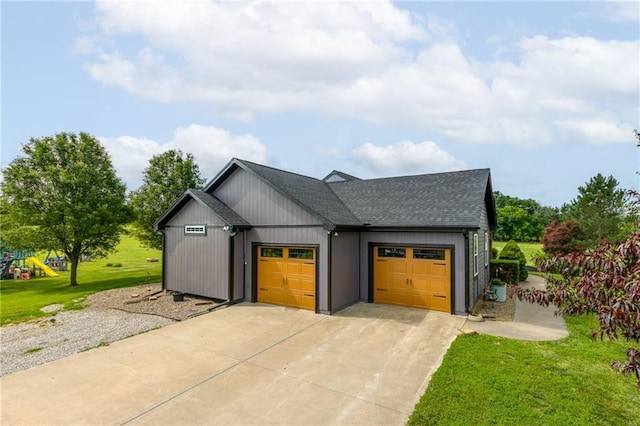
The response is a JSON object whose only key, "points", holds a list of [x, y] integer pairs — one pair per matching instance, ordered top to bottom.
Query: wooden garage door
{"points": [[287, 276], [418, 277]]}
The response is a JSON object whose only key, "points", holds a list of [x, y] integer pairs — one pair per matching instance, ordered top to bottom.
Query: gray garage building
{"points": [[260, 234]]}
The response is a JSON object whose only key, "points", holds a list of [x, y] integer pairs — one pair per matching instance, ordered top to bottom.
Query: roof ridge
{"points": [[277, 169]]}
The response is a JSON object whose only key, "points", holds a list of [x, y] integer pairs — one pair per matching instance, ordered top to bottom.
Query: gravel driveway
{"points": [[109, 316]]}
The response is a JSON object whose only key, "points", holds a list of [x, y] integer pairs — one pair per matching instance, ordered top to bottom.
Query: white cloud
{"points": [[623, 11], [369, 61], [598, 132], [211, 147], [407, 157]]}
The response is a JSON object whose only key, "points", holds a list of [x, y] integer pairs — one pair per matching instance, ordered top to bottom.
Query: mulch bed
{"points": [[151, 300], [496, 311]]}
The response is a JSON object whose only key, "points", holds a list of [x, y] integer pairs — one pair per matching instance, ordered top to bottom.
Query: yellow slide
{"points": [[48, 271]]}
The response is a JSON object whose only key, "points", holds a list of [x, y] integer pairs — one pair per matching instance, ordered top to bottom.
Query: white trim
{"points": [[486, 248], [475, 254]]}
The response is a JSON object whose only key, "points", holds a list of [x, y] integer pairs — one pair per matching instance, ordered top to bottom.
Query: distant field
{"points": [[529, 249], [22, 300]]}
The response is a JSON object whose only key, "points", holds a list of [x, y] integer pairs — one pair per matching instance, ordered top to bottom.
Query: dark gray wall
{"points": [[260, 204], [422, 238], [196, 264], [345, 271]]}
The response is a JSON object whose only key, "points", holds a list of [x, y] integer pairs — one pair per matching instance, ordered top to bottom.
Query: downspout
{"points": [[329, 241], [164, 259], [244, 265], [231, 267], [467, 278]]}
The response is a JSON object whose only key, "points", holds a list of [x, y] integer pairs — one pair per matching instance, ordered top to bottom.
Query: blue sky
{"points": [[546, 94]]}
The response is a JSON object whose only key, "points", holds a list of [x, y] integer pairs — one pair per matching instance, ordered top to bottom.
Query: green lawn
{"points": [[529, 249], [22, 300], [488, 380]]}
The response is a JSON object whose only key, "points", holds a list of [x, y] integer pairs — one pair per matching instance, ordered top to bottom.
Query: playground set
{"points": [[16, 264]]}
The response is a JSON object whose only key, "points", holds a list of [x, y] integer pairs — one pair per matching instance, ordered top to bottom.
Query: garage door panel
{"points": [[416, 277], [301, 283], [274, 295], [390, 296], [301, 299]]}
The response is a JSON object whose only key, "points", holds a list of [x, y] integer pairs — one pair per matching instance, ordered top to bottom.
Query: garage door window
{"points": [[271, 252], [392, 252], [300, 253], [428, 254]]}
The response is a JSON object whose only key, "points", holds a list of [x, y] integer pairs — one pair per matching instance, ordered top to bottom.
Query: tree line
{"points": [[602, 211]]}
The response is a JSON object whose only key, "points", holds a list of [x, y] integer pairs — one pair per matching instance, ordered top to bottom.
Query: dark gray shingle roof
{"points": [[338, 176], [452, 199], [439, 200], [214, 204]]}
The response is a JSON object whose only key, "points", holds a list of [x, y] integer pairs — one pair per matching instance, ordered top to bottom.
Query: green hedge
{"points": [[507, 270]]}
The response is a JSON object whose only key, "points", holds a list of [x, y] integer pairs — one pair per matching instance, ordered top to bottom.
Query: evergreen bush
{"points": [[511, 251]]}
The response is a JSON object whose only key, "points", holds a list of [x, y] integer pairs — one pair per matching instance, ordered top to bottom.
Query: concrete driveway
{"points": [[246, 364]]}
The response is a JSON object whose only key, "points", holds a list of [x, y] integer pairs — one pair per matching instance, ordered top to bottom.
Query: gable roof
{"points": [[338, 176], [311, 194], [439, 200], [447, 200], [223, 211]]}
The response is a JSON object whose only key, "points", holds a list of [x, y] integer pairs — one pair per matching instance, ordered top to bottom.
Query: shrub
{"points": [[512, 251], [494, 253], [109, 265], [117, 265], [506, 270], [496, 281]]}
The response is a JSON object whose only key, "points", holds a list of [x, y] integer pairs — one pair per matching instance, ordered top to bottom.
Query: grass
{"points": [[529, 249], [22, 300], [33, 350], [487, 380]]}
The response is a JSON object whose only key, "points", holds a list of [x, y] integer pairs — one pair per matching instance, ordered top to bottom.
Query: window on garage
{"points": [[195, 230], [486, 248], [271, 252], [392, 252], [300, 253], [430, 254]]}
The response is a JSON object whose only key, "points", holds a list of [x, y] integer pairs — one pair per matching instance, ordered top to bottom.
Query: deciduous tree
{"points": [[165, 179], [63, 194], [562, 238]]}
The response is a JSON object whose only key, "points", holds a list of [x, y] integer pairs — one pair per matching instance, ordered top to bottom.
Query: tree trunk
{"points": [[74, 270]]}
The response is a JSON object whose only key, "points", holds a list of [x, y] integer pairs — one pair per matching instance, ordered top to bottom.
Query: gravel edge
{"points": [[109, 316]]}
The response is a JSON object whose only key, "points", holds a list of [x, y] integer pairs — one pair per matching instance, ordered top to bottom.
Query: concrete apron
{"points": [[247, 364]]}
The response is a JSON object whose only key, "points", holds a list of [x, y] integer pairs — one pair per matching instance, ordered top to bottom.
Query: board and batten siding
{"points": [[260, 204], [285, 237], [455, 240], [197, 264], [484, 273], [345, 276]]}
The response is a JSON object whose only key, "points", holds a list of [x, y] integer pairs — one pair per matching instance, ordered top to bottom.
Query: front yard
{"points": [[487, 380]]}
